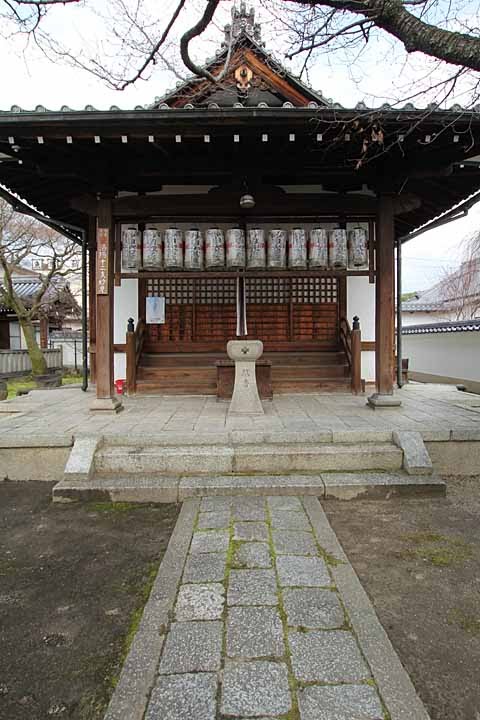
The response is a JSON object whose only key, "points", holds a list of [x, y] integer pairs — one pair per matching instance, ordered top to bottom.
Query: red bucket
{"points": [[120, 386]]}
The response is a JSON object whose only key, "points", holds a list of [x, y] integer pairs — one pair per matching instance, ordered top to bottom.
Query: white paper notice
{"points": [[155, 310]]}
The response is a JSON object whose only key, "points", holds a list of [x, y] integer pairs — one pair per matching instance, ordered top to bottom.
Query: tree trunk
{"points": [[39, 364]]}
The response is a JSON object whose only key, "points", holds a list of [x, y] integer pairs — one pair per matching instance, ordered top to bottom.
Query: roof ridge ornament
{"points": [[242, 22]]}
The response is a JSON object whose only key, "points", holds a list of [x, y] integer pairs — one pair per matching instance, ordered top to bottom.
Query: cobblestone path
{"points": [[259, 629]]}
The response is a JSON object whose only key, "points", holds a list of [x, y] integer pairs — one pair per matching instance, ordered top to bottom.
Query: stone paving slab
{"points": [[213, 520], [288, 520], [250, 531], [209, 541], [289, 542], [252, 555], [205, 568], [295, 571], [252, 587], [200, 602], [313, 608], [254, 632], [296, 640], [192, 647], [327, 656], [255, 688], [184, 697], [339, 702]]}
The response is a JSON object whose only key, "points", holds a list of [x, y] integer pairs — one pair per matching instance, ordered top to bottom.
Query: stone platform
{"points": [[433, 410], [46, 423], [257, 612]]}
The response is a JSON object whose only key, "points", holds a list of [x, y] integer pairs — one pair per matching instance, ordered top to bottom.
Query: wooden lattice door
{"points": [[293, 313], [200, 314]]}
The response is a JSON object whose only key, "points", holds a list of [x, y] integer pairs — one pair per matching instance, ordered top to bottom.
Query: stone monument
{"points": [[245, 398]]}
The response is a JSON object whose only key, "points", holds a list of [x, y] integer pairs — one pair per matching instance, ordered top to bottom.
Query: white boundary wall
{"points": [[125, 300], [361, 302], [454, 356]]}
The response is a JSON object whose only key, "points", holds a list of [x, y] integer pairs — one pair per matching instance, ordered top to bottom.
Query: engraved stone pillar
{"points": [[245, 398]]}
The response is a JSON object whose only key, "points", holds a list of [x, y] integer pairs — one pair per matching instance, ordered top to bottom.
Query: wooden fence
{"points": [[17, 362]]}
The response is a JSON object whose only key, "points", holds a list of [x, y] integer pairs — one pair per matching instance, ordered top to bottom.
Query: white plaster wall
{"points": [[361, 302], [125, 305], [455, 355]]}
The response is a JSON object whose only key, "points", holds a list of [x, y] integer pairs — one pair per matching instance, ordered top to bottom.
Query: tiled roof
{"points": [[161, 104], [26, 290], [443, 295], [452, 326]]}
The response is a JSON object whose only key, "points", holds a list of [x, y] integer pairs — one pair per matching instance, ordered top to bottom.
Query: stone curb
{"points": [[173, 438], [9, 440], [416, 460], [80, 464], [341, 486], [394, 684], [130, 698]]}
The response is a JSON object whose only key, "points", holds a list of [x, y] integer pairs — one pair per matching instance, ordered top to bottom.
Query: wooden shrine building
{"points": [[251, 205]]}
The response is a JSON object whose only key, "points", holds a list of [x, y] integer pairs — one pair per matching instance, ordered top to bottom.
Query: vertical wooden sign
{"points": [[102, 261]]}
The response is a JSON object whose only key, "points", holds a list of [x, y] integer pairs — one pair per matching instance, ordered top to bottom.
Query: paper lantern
{"points": [[131, 247], [357, 247], [152, 248], [235, 248], [297, 248], [318, 248], [337, 248], [173, 249], [214, 249], [277, 249], [193, 250], [256, 250]]}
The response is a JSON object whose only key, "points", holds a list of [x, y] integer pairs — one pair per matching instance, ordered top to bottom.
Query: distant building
{"points": [[455, 297], [60, 305]]}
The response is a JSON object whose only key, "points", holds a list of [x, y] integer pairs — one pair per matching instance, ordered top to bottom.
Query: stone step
{"points": [[265, 458], [160, 489]]}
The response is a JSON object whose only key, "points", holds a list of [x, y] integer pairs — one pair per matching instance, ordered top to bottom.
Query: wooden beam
{"points": [[226, 204], [106, 399]]}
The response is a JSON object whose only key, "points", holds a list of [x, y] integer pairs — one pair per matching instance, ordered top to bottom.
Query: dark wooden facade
{"points": [[189, 158]]}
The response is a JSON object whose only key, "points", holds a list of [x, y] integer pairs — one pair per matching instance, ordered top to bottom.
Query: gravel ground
{"points": [[419, 561], [73, 581]]}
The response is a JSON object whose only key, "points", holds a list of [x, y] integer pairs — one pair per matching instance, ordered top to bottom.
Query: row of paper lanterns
{"points": [[277, 249]]}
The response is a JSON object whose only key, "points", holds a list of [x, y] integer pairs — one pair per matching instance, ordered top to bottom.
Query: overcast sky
{"points": [[29, 79]]}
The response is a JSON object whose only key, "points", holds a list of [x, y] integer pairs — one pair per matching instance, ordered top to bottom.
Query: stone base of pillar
{"points": [[245, 398], [379, 401], [111, 405]]}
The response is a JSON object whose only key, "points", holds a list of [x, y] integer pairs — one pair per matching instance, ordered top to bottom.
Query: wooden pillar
{"points": [[92, 297], [384, 306], [43, 333], [106, 399]]}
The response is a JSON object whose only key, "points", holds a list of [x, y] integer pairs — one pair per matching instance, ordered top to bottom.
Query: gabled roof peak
{"points": [[243, 22]]}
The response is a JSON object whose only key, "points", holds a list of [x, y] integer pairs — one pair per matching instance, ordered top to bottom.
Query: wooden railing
{"points": [[351, 339], [134, 347]]}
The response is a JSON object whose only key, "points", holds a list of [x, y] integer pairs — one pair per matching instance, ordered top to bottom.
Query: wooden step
{"points": [[293, 359], [176, 360], [290, 372], [177, 374], [311, 385], [184, 388]]}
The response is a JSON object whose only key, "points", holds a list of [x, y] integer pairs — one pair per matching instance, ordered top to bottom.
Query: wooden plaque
{"points": [[102, 261]]}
